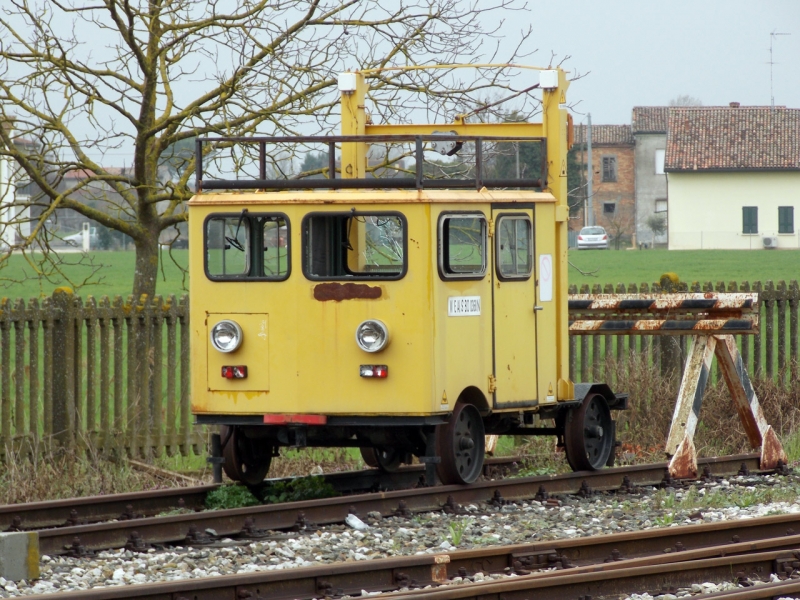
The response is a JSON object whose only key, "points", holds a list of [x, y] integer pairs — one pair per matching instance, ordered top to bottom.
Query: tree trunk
{"points": [[146, 273]]}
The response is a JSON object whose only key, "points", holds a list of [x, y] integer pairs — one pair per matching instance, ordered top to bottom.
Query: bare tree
{"points": [[85, 82], [685, 100], [619, 226]]}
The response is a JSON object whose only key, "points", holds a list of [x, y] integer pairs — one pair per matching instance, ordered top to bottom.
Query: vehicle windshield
{"points": [[592, 231]]}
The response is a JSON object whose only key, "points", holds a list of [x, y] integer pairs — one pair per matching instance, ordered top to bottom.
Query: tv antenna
{"points": [[772, 37]]}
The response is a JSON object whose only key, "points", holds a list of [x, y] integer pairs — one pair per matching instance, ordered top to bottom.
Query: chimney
{"points": [[734, 105]]}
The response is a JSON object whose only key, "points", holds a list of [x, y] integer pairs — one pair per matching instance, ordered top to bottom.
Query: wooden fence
{"points": [[772, 353], [107, 374], [115, 374]]}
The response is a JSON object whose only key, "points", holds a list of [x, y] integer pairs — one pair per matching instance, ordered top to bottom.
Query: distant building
{"points": [[649, 128], [612, 172], [734, 177]]}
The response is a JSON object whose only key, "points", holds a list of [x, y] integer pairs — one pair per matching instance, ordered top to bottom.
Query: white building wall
{"points": [[705, 209]]}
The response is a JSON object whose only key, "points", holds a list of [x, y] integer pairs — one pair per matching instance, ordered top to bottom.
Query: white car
{"points": [[592, 237], [76, 239]]}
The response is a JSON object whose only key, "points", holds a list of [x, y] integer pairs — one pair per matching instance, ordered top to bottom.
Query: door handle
{"points": [[535, 308]]}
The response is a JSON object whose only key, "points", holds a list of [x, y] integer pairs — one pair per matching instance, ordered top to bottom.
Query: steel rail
{"points": [[135, 505], [57, 513], [245, 522], [648, 547], [655, 579]]}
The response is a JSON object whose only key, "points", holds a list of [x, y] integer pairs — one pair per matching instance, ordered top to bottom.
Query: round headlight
{"points": [[226, 336], [372, 336]]}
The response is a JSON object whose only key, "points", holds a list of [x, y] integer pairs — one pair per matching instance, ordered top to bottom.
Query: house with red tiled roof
{"points": [[612, 170], [734, 177]]}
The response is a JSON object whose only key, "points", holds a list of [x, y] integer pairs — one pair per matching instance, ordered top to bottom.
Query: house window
{"points": [[660, 161], [609, 168], [661, 206], [609, 208], [749, 219], [786, 219]]}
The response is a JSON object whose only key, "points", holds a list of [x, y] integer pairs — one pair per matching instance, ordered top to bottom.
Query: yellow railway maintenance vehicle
{"points": [[404, 315]]}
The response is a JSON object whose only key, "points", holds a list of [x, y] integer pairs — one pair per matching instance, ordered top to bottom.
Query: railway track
{"points": [[136, 505], [256, 522], [643, 561]]}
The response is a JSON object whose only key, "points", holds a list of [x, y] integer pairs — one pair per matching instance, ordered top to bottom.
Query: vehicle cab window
{"points": [[354, 245], [247, 246], [462, 246], [514, 248]]}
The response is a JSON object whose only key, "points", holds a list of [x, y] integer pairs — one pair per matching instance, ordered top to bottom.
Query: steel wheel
{"points": [[589, 434], [460, 445], [387, 460], [240, 463]]}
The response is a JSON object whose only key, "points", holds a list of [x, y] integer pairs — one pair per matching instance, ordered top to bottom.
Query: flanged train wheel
{"points": [[589, 434], [461, 446], [387, 460], [240, 463]]}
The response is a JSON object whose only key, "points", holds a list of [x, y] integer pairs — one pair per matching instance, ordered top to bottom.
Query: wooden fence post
{"points": [[794, 296], [781, 297], [63, 360]]}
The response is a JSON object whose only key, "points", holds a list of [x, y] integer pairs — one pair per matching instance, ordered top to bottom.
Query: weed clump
{"points": [[294, 490], [230, 496]]}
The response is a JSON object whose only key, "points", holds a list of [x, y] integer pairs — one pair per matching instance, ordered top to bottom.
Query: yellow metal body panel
{"points": [[514, 327], [548, 332], [253, 352], [311, 361]]}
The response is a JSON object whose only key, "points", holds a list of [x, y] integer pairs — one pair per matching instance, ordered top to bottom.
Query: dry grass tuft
{"points": [[644, 426], [297, 463], [50, 473]]}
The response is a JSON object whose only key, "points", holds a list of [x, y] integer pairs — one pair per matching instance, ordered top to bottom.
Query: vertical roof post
{"points": [[554, 86], [353, 88]]}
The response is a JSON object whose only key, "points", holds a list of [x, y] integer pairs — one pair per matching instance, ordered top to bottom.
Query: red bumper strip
{"points": [[288, 419]]}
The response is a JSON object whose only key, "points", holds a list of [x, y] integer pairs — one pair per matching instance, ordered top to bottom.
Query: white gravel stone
{"points": [[423, 534]]}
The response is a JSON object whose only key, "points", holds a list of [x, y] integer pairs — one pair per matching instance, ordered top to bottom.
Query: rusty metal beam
{"points": [[707, 302], [653, 326]]}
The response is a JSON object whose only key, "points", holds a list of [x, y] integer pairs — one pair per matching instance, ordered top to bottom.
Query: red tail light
{"points": [[580, 237], [605, 237], [377, 371], [237, 372]]}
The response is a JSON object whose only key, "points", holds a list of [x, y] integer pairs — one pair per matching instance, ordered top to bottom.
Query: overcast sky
{"points": [[643, 53]]}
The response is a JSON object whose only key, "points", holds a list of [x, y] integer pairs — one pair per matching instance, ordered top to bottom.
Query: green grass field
{"points": [[647, 266], [111, 273], [96, 274]]}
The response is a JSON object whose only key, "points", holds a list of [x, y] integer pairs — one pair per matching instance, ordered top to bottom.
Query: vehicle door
{"points": [[513, 300]]}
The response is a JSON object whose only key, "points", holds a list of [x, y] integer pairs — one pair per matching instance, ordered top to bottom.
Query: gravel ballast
{"points": [[430, 533]]}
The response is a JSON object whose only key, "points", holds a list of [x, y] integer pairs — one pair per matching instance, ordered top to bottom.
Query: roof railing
{"points": [[418, 181]]}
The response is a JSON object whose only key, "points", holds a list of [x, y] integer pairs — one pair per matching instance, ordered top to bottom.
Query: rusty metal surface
{"points": [[345, 291], [704, 302], [668, 314], [653, 326], [772, 452], [683, 465], [93, 509], [54, 513], [172, 529], [576, 557], [654, 579]]}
